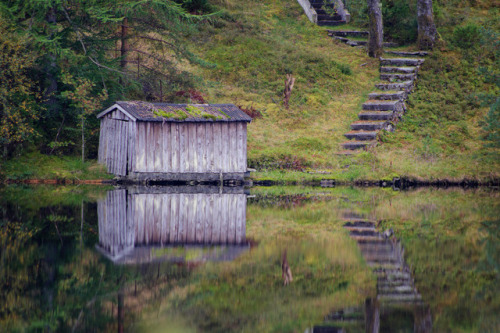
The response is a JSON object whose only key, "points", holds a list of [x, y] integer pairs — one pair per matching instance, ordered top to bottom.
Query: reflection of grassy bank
{"points": [[451, 240], [248, 294]]}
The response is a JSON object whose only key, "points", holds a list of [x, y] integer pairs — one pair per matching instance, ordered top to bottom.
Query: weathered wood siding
{"points": [[116, 142], [168, 147], [190, 147], [127, 221], [116, 230]]}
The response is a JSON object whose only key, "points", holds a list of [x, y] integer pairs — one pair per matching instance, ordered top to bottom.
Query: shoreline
{"points": [[398, 183]]}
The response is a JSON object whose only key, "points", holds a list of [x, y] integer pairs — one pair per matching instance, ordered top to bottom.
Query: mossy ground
{"points": [[256, 43]]}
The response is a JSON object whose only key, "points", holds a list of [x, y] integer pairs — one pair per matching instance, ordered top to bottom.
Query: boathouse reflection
{"points": [[177, 224]]}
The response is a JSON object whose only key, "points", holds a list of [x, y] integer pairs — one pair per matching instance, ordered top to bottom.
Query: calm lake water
{"points": [[274, 259]]}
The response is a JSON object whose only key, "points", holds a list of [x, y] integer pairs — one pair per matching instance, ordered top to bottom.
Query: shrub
{"points": [[466, 37]]}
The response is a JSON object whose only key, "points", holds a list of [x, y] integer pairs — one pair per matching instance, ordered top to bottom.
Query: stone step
{"points": [[328, 17], [331, 23], [348, 33], [342, 39], [351, 42], [409, 53], [398, 62], [399, 70], [397, 77], [404, 86], [388, 96], [378, 105], [376, 115], [368, 125], [361, 135], [352, 145], [360, 224], [360, 228], [365, 233], [377, 247], [385, 258], [384, 265], [389, 274], [394, 283], [402, 289], [399, 297]]}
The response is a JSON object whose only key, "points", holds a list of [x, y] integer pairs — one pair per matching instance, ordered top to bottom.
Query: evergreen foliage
{"points": [[128, 49]]}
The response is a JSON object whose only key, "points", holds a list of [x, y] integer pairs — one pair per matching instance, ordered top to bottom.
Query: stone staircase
{"points": [[327, 14], [354, 37], [386, 105], [385, 255], [397, 302]]}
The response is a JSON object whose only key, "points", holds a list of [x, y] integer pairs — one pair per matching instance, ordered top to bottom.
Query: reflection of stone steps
{"points": [[386, 257]]}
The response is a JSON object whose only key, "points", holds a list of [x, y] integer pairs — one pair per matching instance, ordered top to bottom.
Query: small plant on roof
{"points": [[178, 115]]}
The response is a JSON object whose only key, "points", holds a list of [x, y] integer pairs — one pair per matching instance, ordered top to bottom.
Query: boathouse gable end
{"points": [[161, 141]]}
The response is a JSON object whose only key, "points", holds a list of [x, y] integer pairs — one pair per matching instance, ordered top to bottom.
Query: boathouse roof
{"points": [[161, 112]]}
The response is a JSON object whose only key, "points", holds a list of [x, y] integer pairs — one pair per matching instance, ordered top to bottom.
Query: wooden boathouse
{"points": [[181, 142], [178, 223]]}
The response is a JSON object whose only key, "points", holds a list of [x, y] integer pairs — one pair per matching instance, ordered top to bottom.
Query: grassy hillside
{"points": [[254, 44]]}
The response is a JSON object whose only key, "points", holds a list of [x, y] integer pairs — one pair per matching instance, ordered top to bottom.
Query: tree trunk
{"points": [[376, 30], [427, 33], [125, 47]]}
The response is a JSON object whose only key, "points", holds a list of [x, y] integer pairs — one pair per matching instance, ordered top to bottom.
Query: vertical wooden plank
{"points": [[119, 139], [244, 140], [101, 142], [158, 143], [217, 143], [108, 144], [130, 145], [112, 146], [225, 146], [175, 147], [183, 147], [200, 147], [232, 147], [123, 148], [139, 148], [148, 148], [241, 151], [167, 152], [192, 152], [119, 153], [183, 207], [191, 207], [217, 214], [241, 214], [139, 216], [200, 217], [174, 218], [209, 218], [224, 218], [131, 219], [149, 221], [165, 221], [231, 229], [158, 231]]}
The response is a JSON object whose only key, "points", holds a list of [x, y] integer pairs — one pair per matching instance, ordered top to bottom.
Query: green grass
{"points": [[256, 43], [35, 165]]}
